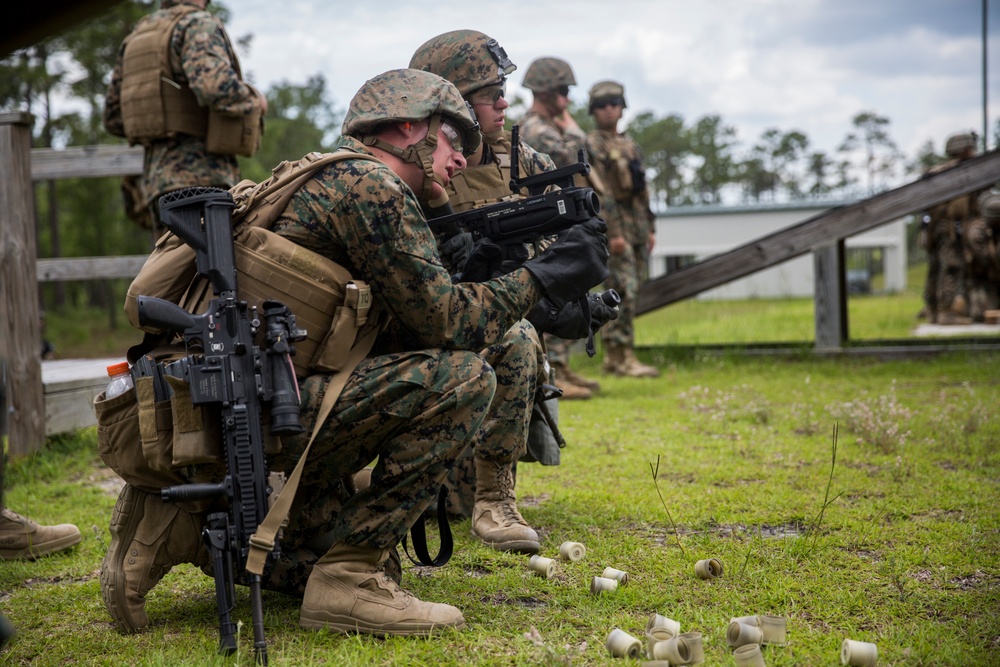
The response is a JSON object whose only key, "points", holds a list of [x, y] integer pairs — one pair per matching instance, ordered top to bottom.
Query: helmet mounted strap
{"points": [[421, 153]]}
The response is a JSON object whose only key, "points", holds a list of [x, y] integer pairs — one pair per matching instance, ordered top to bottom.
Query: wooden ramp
{"points": [[70, 386]]}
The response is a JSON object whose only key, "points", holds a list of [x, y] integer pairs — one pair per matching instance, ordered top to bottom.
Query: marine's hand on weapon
{"points": [[575, 262], [573, 321]]}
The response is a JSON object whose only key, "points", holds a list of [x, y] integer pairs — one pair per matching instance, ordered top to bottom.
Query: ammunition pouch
{"points": [[234, 135]]}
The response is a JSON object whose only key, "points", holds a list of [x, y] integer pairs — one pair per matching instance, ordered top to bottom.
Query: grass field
{"points": [[887, 532]]}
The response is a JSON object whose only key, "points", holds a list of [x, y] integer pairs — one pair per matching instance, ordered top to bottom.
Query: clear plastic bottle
{"points": [[121, 380]]}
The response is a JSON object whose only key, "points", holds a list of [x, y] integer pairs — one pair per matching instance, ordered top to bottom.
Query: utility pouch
{"points": [[234, 135], [156, 428], [197, 436], [119, 444]]}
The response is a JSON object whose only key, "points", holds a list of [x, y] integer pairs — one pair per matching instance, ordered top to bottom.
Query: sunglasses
{"points": [[562, 90], [488, 94], [602, 104]]}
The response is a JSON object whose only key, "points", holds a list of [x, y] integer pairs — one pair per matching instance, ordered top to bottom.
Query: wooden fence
{"points": [[63, 402]]}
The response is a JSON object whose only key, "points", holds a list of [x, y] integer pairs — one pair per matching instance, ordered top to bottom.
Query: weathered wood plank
{"points": [[85, 162], [840, 223], [89, 268], [830, 304], [20, 334], [70, 388]]}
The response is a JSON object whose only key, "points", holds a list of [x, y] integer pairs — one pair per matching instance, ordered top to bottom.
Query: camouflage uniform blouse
{"points": [[201, 58], [542, 134], [614, 156], [360, 214]]}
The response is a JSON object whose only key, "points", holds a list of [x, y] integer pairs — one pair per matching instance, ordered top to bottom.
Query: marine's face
{"points": [[490, 106], [607, 115], [447, 157]]}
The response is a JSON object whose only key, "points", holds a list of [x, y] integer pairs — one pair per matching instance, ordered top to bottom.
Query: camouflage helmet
{"points": [[467, 58], [548, 74], [610, 91], [409, 95], [958, 144], [989, 205]]}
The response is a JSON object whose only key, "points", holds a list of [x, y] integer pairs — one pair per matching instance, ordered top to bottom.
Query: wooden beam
{"points": [[85, 162], [839, 223], [89, 268], [830, 301], [20, 331]]}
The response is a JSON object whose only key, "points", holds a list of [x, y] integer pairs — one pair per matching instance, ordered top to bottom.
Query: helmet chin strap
{"points": [[421, 153]]}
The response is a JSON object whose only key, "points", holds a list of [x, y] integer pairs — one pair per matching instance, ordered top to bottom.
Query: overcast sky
{"points": [[807, 65]]}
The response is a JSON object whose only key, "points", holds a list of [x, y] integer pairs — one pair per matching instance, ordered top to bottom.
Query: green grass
{"points": [[694, 322], [897, 542]]}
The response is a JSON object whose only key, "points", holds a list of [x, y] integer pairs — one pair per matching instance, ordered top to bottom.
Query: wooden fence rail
{"points": [[40, 402]]}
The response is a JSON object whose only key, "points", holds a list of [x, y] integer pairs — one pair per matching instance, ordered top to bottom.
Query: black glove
{"points": [[455, 251], [482, 261], [575, 262], [571, 322]]}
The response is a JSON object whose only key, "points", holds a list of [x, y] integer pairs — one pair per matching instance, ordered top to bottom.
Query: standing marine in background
{"points": [[178, 91], [549, 128], [618, 162], [981, 240], [945, 295]]}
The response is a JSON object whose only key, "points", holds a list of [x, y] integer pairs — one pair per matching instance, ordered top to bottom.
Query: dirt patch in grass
{"points": [[504, 599]]}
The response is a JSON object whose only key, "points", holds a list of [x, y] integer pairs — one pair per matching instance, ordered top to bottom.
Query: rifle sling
{"points": [[420, 536], [263, 540]]}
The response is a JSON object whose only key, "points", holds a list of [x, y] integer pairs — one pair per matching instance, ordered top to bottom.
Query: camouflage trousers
{"points": [[624, 277], [944, 288], [950, 293], [984, 294], [518, 362], [414, 413]]}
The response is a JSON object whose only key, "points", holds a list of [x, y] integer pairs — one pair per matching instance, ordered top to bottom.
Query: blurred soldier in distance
{"points": [[178, 91], [618, 161], [945, 291]]}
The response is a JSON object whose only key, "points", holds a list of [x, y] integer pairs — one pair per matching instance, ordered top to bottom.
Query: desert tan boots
{"points": [[349, 591]]}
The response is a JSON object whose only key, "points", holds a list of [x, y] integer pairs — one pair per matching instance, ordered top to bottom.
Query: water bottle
{"points": [[121, 380]]}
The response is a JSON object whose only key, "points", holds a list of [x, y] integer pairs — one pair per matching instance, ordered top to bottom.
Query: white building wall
{"points": [[707, 231]]}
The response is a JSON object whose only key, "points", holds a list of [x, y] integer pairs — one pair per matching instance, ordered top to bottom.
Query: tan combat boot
{"points": [[614, 360], [621, 361], [637, 369], [575, 378], [570, 391], [495, 519], [21, 537], [148, 537], [349, 591]]}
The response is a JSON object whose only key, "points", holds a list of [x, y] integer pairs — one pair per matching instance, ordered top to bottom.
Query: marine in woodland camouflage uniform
{"points": [[202, 60], [478, 66], [549, 128], [618, 161], [980, 239], [945, 291], [425, 392]]}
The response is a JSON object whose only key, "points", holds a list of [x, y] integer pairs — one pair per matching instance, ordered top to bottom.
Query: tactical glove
{"points": [[455, 252], [482, 260], [575, 262], [573, 321]]}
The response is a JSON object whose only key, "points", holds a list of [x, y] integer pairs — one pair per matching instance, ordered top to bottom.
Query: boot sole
{"points": [[128, 512], [516, 546], [41, 549], [313, 619]]}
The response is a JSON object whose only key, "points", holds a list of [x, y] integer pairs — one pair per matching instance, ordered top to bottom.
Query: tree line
{"points": [[699, 162]]}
